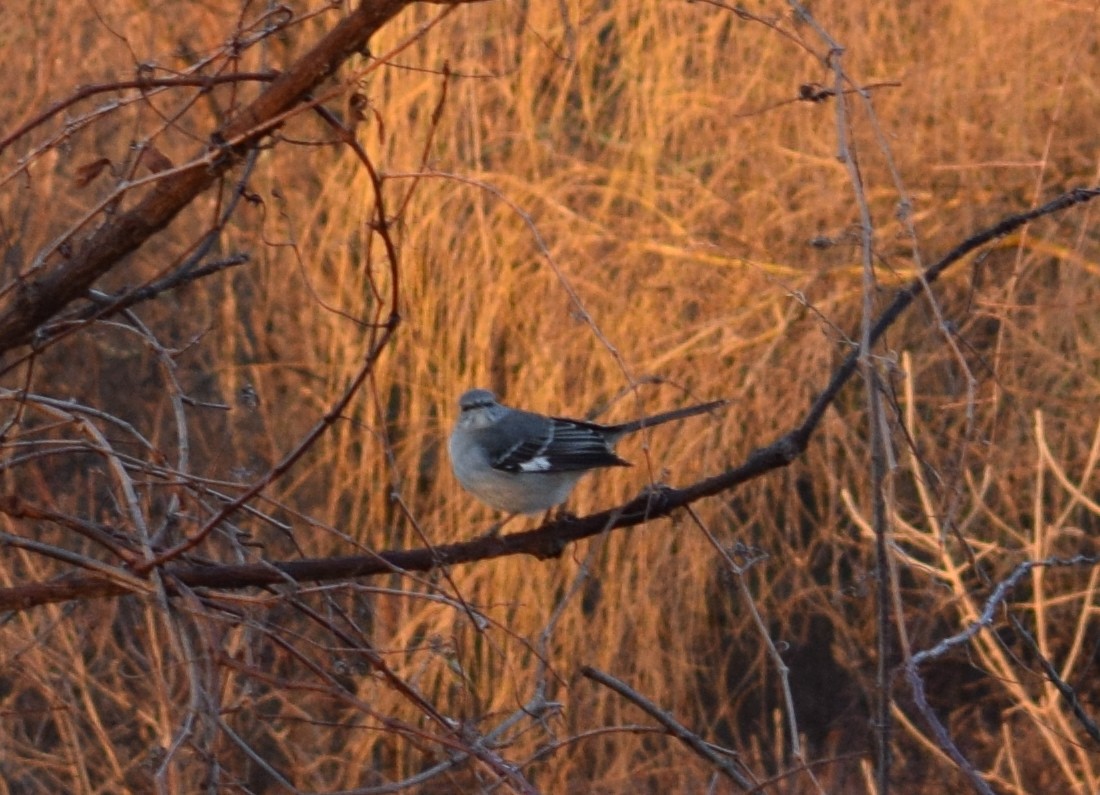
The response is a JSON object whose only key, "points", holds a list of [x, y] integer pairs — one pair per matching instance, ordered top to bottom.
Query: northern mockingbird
{"points": [[521, 462]]}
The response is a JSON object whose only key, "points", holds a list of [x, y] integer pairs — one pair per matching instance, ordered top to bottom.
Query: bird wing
{"points": [[559, 445]]}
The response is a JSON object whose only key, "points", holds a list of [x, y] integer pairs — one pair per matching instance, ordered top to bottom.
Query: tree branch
{"points": [[34, 301], [551, 539]]}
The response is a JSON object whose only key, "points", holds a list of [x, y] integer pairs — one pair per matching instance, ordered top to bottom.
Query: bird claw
{"points": [[654, 491], [496, 527]]}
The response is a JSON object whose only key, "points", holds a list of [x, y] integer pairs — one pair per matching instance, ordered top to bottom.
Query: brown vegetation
{"points": [[249, 265]]}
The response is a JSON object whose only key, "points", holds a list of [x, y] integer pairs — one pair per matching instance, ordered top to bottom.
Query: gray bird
{"points": [[521, 462]]}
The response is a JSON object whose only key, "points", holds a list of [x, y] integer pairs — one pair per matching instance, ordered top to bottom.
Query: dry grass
{"points": [[620, 201]]}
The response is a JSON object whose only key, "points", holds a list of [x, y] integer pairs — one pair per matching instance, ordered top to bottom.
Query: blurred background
{"points": [[606, 209]]}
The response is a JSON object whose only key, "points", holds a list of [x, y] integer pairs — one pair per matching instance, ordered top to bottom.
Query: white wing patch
{"points": [[537, 464]]}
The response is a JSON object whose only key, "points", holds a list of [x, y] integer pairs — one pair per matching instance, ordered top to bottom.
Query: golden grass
{"points": [[636, 163]]}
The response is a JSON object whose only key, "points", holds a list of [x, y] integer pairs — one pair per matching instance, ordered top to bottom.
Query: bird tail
{"points": [[667, 416]]}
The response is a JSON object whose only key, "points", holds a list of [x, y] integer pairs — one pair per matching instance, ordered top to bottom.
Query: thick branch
{"points": [[36, 300], [551, 539]]}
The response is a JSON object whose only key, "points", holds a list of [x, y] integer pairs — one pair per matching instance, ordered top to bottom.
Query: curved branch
{"points": [[551, 539]]}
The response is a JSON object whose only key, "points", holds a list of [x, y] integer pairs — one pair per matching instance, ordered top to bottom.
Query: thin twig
{"points": [[739, 571], [985, 621], [672, 726]]}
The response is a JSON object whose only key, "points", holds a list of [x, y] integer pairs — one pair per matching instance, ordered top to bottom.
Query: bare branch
{"points": [[36, 300], [551, 539], [673, 726]]}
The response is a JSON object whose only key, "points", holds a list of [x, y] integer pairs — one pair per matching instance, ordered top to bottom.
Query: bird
{"points": [[518, 461]]}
